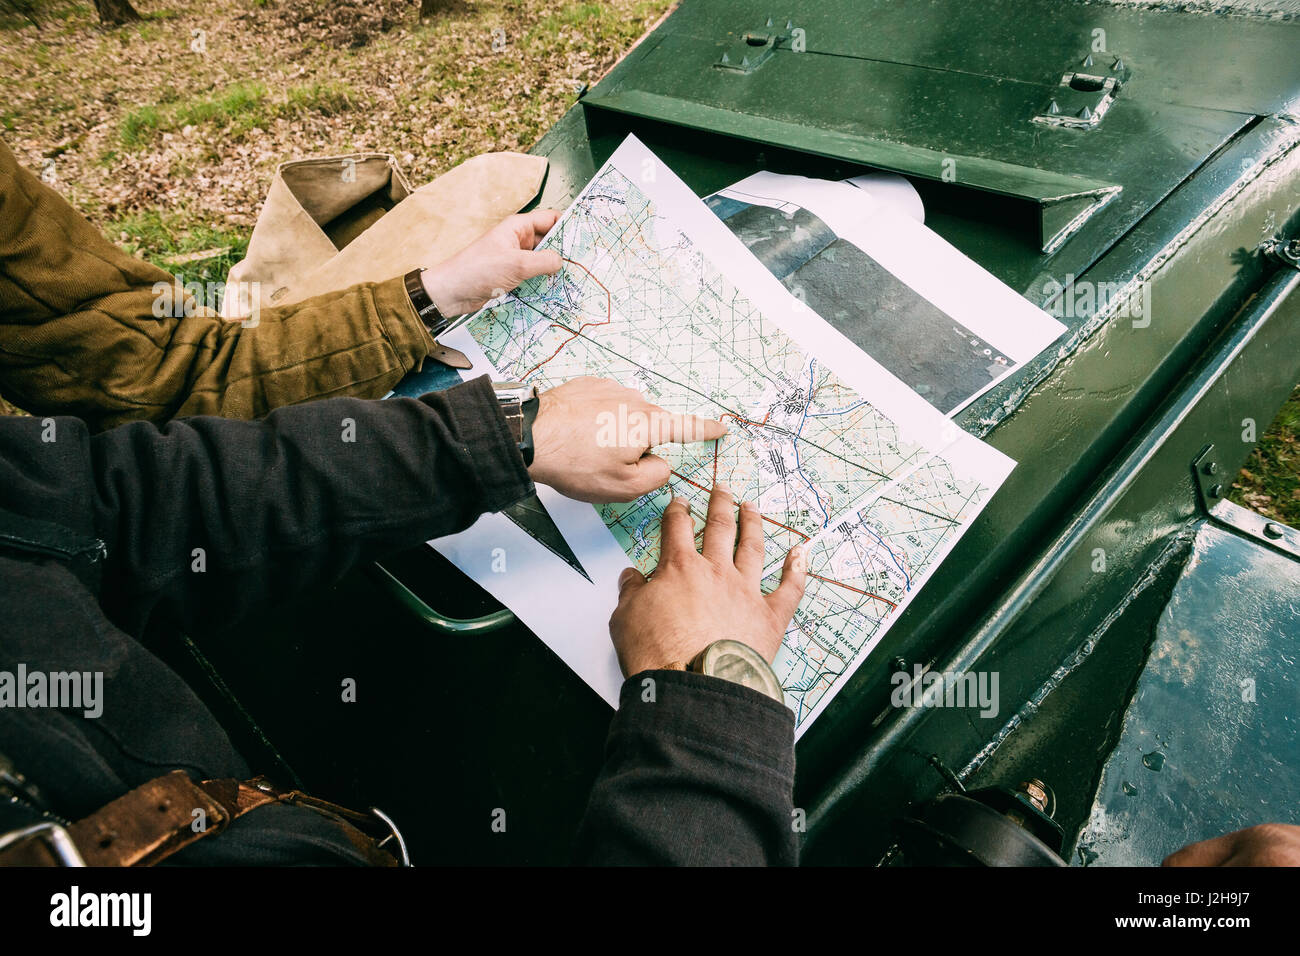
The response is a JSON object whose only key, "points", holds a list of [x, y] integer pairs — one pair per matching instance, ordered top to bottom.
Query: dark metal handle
{"points": [[435, 619]]}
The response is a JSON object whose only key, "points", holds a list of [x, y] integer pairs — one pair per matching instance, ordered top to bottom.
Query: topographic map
{"points": [[877, 500], [862, 569]]}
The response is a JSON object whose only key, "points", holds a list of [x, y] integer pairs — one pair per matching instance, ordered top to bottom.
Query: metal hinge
{"points": [[1211, 492]]}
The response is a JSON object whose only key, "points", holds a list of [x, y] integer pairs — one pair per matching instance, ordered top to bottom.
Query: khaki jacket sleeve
{"points": [[79, 335]]}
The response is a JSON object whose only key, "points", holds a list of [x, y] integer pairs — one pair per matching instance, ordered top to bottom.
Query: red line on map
{"points": [[609, 315], [848, 587]]}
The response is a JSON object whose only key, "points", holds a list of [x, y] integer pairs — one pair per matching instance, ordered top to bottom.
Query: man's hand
{"points": [[493, 264], [592, 437], [695, 599], [1269, 844]]}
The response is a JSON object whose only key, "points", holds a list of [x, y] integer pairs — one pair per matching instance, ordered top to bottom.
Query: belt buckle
{"points": [[393, 834], [53, 835]]}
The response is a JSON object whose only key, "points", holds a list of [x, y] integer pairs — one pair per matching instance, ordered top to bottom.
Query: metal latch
{"points": [[754, 47], [1086, 92], [1283, 251], [1212, 496]]}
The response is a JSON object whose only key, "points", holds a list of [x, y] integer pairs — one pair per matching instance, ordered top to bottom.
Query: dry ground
{"points": [[166, 132]]}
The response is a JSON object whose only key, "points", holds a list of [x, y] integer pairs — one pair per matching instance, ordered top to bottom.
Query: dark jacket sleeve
{"points": [[81, 332], [206, 518], [698, 771]]}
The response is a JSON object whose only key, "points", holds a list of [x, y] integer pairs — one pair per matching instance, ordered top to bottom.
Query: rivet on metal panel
{"points": [[1245, 522]]}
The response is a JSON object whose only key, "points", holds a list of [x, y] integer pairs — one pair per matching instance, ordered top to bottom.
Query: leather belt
{"points": [[167, 814]]}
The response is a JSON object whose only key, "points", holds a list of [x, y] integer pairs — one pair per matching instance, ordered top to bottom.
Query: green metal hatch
{"points": [[1076, 119]]}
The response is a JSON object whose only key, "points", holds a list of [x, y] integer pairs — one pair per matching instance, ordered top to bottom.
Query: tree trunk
{"points": [[115, 12]]}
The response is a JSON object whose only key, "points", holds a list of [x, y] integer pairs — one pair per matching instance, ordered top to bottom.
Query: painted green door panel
{"points": [[1239, 64], [958, 119]]}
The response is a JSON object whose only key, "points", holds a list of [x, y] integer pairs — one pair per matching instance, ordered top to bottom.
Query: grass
{"points": [[582, 23], [433, 93], [327, 98], [240, 104], [238, 109], [141, 124], [166, 238], [1270, 481]]}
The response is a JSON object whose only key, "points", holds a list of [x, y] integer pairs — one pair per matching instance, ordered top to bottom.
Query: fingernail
{"points": [[720, 487], [749, 505]]}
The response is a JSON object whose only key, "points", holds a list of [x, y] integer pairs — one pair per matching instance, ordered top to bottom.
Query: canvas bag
{"points": [[330, 223]]}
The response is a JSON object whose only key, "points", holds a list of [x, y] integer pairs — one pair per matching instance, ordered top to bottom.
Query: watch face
{"points": [[741, 664], [736, 669]]}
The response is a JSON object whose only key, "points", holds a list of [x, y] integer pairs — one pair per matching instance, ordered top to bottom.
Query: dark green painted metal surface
{"points": [[1202, 145], [1211, 741]]}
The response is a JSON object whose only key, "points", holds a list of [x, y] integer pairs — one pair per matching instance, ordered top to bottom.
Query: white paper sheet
{"points": [[892, 190], [943, 324]]}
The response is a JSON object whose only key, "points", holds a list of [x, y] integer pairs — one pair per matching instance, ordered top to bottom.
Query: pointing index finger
{"points": [[671, 427]]}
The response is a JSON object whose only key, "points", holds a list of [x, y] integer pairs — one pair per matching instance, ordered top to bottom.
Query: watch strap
{"points": [[428, 313], [519, 404], [529, 408]]}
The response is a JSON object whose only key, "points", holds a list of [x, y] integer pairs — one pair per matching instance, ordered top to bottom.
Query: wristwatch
{"points": [[429, 313], [433, 320], [518, 402], [737, 662]]}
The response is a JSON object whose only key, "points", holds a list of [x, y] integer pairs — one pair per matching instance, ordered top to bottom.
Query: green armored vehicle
{"points": [[1133, 169]]}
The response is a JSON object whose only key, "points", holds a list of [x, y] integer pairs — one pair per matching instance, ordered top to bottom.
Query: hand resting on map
{"points": [[493, 264], [592, 440], [694, 599]]}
